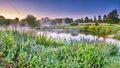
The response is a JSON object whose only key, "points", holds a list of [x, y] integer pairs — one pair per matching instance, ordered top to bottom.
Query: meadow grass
{"points": [[117, 35], [24, 50]]}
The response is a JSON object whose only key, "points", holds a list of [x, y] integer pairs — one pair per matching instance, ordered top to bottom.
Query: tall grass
{"points": [[102, 30], [117, 35], [24, 50]]}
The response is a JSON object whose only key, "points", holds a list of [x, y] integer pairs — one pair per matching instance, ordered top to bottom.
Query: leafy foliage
{"points": [[113, 17], [86, 19], [68, 20], [31, 21], [96, 23]]}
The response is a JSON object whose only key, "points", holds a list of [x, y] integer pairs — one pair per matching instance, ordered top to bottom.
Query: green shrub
{"points": [[74, 24], [96, 24]]}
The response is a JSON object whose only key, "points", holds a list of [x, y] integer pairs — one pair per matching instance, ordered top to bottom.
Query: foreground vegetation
{"points": [[24, 50]]}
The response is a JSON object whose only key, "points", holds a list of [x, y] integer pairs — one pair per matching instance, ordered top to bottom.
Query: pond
{"points": [[75, 35]]}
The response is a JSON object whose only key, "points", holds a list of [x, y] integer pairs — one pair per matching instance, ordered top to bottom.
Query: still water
{"points": [[68, 34], [75, 34]]}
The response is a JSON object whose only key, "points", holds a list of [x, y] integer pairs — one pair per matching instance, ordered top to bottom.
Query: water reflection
{"points": [[72, 31], [69, 34], [76, 34]]}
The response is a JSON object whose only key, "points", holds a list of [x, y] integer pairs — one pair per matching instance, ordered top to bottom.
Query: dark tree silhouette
{"points": [[113, 17], [105, 18], [99, 19], [68, 20], [86, 20], [95, 20], [31, 21], [78, 21]]}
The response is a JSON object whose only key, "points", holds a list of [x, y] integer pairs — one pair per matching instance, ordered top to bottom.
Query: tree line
{"points": [[112, 18], [31, 21]]}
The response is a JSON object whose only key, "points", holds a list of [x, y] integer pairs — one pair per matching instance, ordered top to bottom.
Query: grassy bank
{"points": [[100, 30], [117, 35], [24, 50]]}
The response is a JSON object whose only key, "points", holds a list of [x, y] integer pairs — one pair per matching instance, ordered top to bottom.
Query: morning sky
{"points": [[57, 8]]}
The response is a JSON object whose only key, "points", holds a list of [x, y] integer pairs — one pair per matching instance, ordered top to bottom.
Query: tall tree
{"points": [[113, 17], [2, 18], [105, 18], [99, 19], [58, 20], [68, 20], [82, 20], [86, 20], [91, 20], [95, 20], [119, 20], [16, 21], [31, 21], [78, 21], [6, 22]]}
